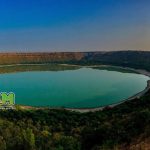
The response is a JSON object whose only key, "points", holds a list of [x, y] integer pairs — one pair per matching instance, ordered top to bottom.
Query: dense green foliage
{"points": [[133, 59], [47, 129]]}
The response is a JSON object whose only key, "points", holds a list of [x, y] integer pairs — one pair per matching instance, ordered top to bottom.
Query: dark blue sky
{"points": [[74, 25]]}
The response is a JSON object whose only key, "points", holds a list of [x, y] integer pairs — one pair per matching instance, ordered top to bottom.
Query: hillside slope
{"points": [[135, 59], [124, 127]]}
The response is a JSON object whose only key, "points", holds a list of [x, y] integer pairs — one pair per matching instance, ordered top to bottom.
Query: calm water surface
{"points": [[79, 88]]}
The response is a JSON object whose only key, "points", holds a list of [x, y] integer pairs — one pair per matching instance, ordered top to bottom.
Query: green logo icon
{"points": [[7, 100]]}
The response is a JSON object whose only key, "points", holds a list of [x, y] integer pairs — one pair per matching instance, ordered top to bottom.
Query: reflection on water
{"points": [[34, 67], [55, 67]]}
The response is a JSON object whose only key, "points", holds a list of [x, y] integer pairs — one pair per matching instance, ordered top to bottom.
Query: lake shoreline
{"points": [[138, 95], [84, 110]]}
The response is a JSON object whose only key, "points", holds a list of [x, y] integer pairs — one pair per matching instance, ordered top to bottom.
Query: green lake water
{"points": [[72, 87]]}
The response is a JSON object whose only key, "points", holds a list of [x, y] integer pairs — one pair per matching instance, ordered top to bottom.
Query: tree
{"points": [[29, 139], [2, 143]]}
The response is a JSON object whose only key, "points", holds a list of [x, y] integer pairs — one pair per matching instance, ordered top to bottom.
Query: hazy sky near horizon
{"points": [[74, 25]]}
